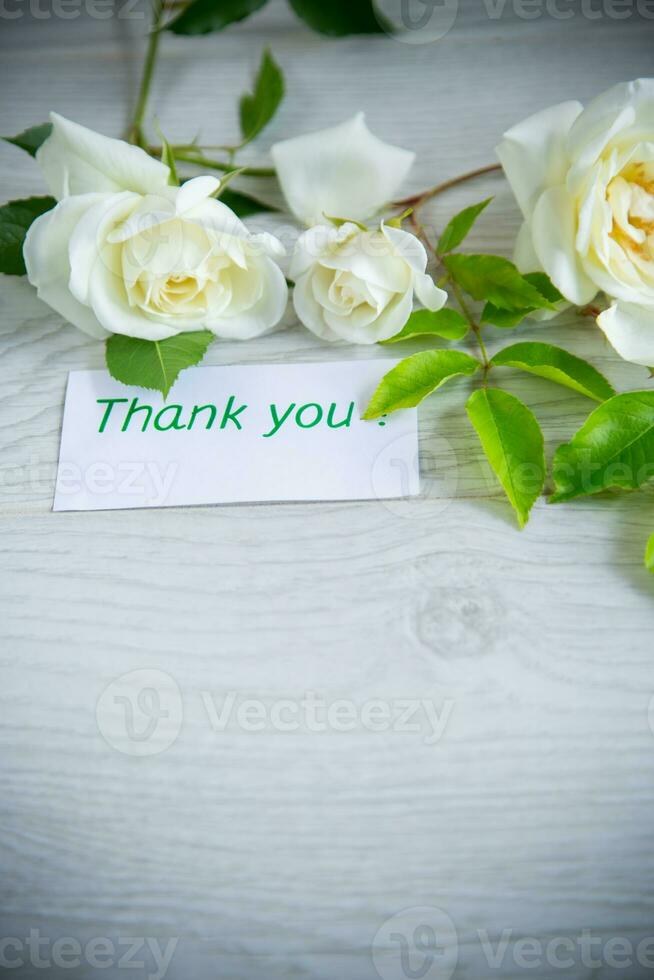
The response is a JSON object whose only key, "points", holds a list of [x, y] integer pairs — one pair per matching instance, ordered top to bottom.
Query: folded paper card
{"points": [[244, 433]]}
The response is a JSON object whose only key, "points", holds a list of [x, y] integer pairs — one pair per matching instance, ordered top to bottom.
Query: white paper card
{"points": [[241, 433]]}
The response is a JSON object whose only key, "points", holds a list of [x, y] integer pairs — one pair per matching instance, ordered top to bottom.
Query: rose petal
{"points": [[629, 105], [534, 153], [76, 160], [344, 172], [194, 192], [594, 210], [147, 213], [215, 215], [554, 232], [89, 235], [269, 244], [310, 246], [408, 246], [412, 251], [524, 253], [371, 260], [48, 265], [616, 272], [428, 293], [108, 298], [309, 312], [264, 315], [386, 325], [630, 330]]}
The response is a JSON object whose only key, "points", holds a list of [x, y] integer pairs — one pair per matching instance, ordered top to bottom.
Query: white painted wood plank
{"points": [[278, 854]]}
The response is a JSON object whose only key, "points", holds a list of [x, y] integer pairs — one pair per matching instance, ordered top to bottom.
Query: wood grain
{"points": [[272, 854]]}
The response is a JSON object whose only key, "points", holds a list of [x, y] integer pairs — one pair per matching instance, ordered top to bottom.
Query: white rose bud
{"points": [[584, 180], [124, 252], [351, 283], [358, 285]]}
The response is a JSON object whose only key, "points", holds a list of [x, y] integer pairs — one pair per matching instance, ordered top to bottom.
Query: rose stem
{"points": [[136, 129], [184, 153], [202, 161], [416, 200], [419, 229], [474, 326]]}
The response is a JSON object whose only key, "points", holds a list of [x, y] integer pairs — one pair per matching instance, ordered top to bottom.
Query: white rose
{"points": [[584, 180], [124, 252], [351, 283], [359, 285]]}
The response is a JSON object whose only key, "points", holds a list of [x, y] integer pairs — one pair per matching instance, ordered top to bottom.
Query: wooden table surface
{"points": [[273, 854]]}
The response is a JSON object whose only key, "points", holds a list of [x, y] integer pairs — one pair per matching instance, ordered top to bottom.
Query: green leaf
{"points": [[204, 16], [339, 18], [258, 107], [30, 139], [168, 159], [226, 179], [243, 205], [15, 220], [396, 222], [459, 226], [492, 278], [545, 286], [506, 319], [423, 323], [154, 363], [558, 365], [415, 377], [513, 443], [613, 448], [649, 555]]}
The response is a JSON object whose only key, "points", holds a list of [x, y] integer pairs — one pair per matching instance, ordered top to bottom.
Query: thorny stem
{"points": [[135, 134], [187, 153], [201, 161], [417, 200], [419, 229], [590, 310], [474, 326]]}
